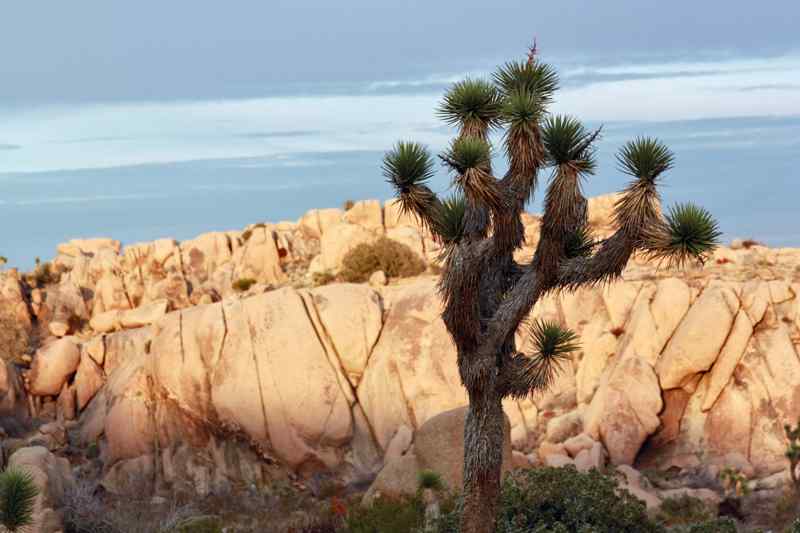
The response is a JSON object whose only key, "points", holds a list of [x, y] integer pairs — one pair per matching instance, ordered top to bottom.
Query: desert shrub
{"points": [[348, 205], [246, 234], [749, 243], [395, 259], [3, 260], [43, 274], [322, 278], [243, 284], [15, 339], [793, 451], [428, 479], [17, 498], [562, 500], [683, 510], [84, 513], [385, 515], [716, 525], [795, 527]]}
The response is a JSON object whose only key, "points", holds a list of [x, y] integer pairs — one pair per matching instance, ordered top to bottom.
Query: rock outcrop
{"points": [[677, 368]]}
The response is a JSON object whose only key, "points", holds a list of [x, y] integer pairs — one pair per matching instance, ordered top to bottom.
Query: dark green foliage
{"points": [[538, 79], [471, 104], [567, 142], [467, 153], [645, 158], [408, 164], [451, 219], [693, 232], [579, 244], [395, 259], [43, 274], [322, 278], [243, 284], [553, 345], [428, 479], [17, 498], [547, 500], [682, 511], [386, 516], [199, 524], [716, 525], [795, 528]]}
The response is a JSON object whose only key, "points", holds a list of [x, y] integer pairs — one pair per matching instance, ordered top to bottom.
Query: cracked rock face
{"points": [[676, 367]]}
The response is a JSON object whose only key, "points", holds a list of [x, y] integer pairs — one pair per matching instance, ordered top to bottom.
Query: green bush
{"points": [[395, 259], [243, 284], [428, 479], [17, 498], [563, 500], [683, 510], [385, 515], [717, 525], [795, 528]]}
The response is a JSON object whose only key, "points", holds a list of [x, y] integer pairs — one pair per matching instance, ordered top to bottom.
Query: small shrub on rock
{"points": [[396, 259], [322, 278], [243, 284], [683, 510], [717, 525]]}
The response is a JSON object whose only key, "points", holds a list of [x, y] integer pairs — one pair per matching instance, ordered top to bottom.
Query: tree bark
{"points": [[483, 459]]}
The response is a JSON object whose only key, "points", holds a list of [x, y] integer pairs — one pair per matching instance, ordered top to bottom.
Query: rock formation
{"points": [[687, 368]]}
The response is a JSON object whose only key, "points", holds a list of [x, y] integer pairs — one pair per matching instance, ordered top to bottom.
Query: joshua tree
{"points": [[486, 293], [17, 498]]}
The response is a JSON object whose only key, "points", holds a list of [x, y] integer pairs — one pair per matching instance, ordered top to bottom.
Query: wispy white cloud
{"points": [[158, 132]]}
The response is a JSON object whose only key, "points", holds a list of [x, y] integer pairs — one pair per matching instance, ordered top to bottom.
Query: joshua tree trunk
{"points": [[486, 293], [483, 458]]}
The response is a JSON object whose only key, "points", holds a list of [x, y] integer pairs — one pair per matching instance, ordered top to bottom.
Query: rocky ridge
{"points": [[168, 369]]}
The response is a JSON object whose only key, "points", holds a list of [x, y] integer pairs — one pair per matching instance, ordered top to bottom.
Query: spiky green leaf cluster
{"points": [[538, 79], [471, 102], [522, 109], [568, 142], [467, 153], [645, 158], [408, 164], [451, 219], [693, 232], [579, 243], [552, 346], [17, 498]]}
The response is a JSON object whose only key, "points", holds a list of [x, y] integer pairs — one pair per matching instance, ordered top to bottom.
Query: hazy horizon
{"points": [[147, 121]]}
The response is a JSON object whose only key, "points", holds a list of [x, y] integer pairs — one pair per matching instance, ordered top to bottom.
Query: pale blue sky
{"points": [[90, 50], [150, 119]]}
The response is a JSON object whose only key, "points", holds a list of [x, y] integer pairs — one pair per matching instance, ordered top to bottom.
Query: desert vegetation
{"points": [[395, 259]]}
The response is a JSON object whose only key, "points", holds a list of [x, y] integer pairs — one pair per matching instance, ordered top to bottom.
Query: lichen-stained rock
{"points": [[366, 213], [409, 236], [339, 240], [204, 254], [258, 258], [351, 317], [699, 338], [125, 345], [732, 352], [52, 365], [412, 373], [272, 378], [88, 379], [12, 394], [624, 411]]}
